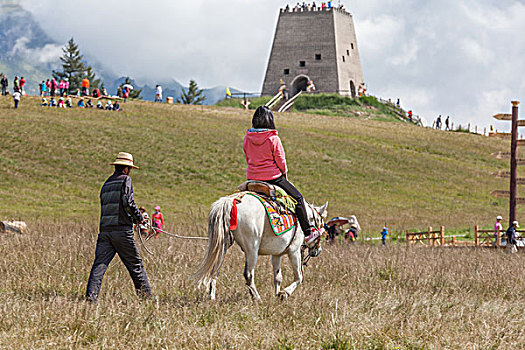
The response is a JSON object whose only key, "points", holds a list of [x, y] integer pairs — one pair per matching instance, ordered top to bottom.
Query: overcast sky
{"points": [[463, 58]]}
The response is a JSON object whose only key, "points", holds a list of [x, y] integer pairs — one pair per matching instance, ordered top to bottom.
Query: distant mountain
{"points": [[26, 50]]}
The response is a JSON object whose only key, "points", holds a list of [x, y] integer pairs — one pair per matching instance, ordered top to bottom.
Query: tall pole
{"points": [[513, 162]]}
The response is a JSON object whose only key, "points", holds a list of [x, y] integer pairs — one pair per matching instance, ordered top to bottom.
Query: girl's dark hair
{"points": [[263, 118]]}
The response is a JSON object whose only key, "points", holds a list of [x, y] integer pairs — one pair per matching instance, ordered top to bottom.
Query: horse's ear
{"points": [[322, 210]]}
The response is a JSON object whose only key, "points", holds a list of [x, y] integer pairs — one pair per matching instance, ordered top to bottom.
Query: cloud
{"points": [[49, 53], [462, 58]]}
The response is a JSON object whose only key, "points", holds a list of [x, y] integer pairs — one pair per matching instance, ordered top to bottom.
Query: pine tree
{"points": [[74, 68], [135, 93], [193, 96]]}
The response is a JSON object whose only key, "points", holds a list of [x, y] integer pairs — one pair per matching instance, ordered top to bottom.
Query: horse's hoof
{"points": [[283, 296]]}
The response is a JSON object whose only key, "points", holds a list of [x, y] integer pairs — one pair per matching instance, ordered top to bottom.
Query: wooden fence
{"points": [[482, 238]]}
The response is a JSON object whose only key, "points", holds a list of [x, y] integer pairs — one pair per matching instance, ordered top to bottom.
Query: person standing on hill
{"points": [[5, 83], [16, 86], [22, 86], [48, 86], [54, 87], [61, 87], [85, 87], [43, 88], [158, 93], [447, 123], [266, 161], [118, 212], [384, 233], [511, 238]]}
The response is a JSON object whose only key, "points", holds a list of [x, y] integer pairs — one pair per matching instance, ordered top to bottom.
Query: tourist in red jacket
{"points": [[266, 160]]}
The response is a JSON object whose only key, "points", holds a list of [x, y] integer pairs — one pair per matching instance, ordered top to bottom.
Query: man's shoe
{"points": [[311, 238]]}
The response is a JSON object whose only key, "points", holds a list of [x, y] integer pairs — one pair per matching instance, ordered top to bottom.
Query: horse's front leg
{"points": [[295, 261], [249, 273], [277, 275]]}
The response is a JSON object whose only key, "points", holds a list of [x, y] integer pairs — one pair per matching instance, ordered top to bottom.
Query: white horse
{"points": [[255, 237]]}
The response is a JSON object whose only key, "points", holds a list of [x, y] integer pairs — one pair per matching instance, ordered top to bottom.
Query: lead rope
{"points": [[137, 227], [165, 232]]}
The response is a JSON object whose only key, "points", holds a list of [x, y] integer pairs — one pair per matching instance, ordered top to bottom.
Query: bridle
{"points": [[316, 249]]}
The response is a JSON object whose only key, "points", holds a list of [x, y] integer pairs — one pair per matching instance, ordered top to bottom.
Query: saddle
{"points": [[275, 195]]}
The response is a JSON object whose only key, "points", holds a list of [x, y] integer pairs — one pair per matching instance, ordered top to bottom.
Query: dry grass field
{"points": [[53, 162], [354, 297]]}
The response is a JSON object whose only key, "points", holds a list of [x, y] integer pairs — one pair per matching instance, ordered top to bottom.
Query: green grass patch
{"points": [[54, 161]]}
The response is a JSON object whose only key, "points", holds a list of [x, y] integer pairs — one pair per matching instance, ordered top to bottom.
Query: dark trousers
{"points": [[16, 103], [300, 207], [108, 244]]}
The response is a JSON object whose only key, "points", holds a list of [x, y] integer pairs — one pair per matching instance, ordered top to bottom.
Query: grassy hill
{"points": [[366, 107], [53, 163]]}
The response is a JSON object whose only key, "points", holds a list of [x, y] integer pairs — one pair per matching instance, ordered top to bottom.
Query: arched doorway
{"points": [[299, 84], [352, 89]]}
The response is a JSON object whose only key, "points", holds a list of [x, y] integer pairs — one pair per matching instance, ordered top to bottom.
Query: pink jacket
{"points": [[264, 154]]}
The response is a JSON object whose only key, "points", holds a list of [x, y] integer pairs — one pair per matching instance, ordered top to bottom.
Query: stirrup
{"points": [[311, 239]]}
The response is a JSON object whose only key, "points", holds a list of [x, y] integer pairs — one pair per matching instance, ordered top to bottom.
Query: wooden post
{"points": [[513, 162], [476, 235], [429, 236], [442, 236], [406, 237], [453, 241]]}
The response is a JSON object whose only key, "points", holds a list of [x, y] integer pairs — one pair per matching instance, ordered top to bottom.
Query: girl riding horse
{"points": [[266, 160]]}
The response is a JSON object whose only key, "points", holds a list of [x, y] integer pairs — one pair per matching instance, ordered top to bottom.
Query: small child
{"points": [[16, 98], [44, 102], [52, 102], [61, 103], [69, 103], [81, 103], [89, 104], [99, 105], [109, 106], [116, 106], [158, 221], [145, 229], [384, 233], [351, 234]]}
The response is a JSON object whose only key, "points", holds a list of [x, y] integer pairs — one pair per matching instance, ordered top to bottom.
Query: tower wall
{"points": [[319, 40], [348, 68]]}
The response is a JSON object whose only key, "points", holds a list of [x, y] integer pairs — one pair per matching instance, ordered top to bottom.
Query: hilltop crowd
{"points": [[324, 6]]}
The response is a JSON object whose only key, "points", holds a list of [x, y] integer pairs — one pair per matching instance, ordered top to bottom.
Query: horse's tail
{"points": [[218, 241]]}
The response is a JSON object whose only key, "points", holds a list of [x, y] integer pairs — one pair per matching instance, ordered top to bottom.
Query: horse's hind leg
{"points": [[295, 260], [249, 274], [277, 275], [213, 288]]}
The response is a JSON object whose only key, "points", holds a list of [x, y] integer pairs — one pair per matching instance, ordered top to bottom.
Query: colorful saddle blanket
{"points": [[280, 223]]}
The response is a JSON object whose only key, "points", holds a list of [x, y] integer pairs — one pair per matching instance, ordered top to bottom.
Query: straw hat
{"points": [[126, 159]]}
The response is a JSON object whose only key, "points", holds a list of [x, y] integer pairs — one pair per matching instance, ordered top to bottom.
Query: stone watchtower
{"points": [[318, 45]]}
